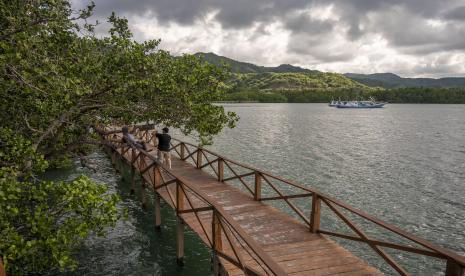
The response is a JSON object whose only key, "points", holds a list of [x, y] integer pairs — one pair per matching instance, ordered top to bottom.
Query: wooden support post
{"points": [[183, 151], [132, 154], [199, 158], [142, 166], [220, 170], [133, 180], [156, 183], [258, 186], [142, 195], [179, 197], [157, 212], [316, 213], [180, 225], [216, 232], [180, 241], [217, 243], [2, 268], [454, 269]]}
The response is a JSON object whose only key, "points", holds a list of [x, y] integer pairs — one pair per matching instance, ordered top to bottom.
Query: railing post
{"points": [[183, 151], [199, 158], [142, 166], [220, 170], [133, 179], [258, 186], [142, 195], [179, 197], [157, 207], [316, 213], [179, 225], [217, 242], [454, 269]]}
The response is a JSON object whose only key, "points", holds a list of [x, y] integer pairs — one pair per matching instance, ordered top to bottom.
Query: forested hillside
{"points": [[244, 67], [251, 77], [389, 80], [292, 81], [287, 83]]}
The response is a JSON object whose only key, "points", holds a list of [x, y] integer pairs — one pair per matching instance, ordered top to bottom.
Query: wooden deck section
{"points": [[247, 236], [286, 240]]}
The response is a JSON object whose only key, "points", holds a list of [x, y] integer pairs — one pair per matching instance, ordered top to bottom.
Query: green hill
{"points": [[244, 67], [248, 76], [293, 81], [288, 83]]}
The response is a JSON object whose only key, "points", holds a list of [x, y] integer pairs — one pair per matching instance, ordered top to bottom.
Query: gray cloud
{"points": [[457, 13], [303, 23], [416, 28], [400, 29]]}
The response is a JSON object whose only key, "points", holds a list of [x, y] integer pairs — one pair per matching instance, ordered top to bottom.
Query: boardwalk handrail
{"points": [[223, 219], [455, 262]]}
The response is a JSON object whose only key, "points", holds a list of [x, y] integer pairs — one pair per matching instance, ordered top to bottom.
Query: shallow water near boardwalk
{"points": [[404, 164]]}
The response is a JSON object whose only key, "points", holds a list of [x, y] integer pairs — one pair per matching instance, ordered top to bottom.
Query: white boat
{"points": [[360, 104]]}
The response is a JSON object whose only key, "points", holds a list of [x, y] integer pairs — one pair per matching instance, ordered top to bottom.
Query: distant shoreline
{"points": [[398, 95], [257, 102]]}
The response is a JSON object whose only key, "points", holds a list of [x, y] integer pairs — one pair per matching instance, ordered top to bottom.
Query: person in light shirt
{"points": [[129, 138]]}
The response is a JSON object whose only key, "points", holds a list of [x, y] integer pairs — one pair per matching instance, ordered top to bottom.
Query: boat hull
{"points": [[379, 105]]}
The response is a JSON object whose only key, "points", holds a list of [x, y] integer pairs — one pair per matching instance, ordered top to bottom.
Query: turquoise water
{"points": [[404, 164], [134, 247]]}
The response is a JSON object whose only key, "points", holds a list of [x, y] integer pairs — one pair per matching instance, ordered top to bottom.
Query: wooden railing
{"points": [[254, 180], [180, 192]]}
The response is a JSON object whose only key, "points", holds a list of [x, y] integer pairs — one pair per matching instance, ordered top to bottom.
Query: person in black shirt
{"points": [[164, 147]]}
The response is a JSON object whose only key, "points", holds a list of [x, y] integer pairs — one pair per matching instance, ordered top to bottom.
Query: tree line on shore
{"points": [[397, 95]]}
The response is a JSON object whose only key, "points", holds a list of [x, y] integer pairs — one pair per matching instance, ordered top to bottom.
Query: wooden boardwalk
{"points": [[248, 236], [286, 240]]}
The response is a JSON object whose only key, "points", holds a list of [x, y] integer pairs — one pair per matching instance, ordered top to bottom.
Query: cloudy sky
{"points": [[413, 38]]}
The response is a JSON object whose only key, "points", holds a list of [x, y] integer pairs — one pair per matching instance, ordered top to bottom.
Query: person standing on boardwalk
{"points": [[129, 138], [164, 147]]}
